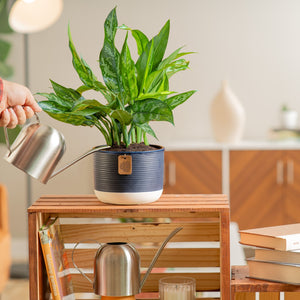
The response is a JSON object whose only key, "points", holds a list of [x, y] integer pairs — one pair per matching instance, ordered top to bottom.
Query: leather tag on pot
{"points": [[125, 164]]}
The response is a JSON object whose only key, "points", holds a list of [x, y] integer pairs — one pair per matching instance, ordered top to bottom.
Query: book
{"points": [[279, 134], [283, 237], [290, 257], [56, 262], [274, 271]]}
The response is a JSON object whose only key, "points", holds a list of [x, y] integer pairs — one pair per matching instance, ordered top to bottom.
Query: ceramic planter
{"points": [[129, 177]]}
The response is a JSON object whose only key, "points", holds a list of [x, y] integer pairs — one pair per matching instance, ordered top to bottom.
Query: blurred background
{"points": [[254, 45]]}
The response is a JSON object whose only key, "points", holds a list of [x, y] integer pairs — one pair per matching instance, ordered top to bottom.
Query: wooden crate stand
{"points": [[204, 218]]}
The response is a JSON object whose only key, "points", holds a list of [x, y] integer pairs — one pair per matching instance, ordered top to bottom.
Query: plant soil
{"points": [[132, 148]]}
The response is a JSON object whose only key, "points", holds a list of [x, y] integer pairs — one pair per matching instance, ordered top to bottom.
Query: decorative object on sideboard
{"points": [[135, 93], [227, 116], [288, 118], [177, 288]]}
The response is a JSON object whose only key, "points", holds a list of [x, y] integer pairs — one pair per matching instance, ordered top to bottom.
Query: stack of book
{"points": [[280, 134], [277, 253]]}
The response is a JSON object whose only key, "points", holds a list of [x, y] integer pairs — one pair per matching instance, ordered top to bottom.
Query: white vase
{"points": [[227, 116]]}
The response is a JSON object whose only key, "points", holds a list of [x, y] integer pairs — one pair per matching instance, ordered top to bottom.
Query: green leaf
{"points": [[141, 40], [155, 49], [4, 50], [175, 55], [109, 56], [176, 66], [145, 67], [83, 70], [127, 70], [83, 88], [65, 93], [154, 95], [179, 99], [64, 103], [51, 106], [90, 107], [150, 110], [122, 116], [72, 119], [146, 128]]}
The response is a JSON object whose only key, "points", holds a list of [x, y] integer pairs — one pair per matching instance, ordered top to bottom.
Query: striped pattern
{"points": [[204, 218]]}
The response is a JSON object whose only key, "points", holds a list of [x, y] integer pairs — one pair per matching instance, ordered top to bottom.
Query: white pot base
{"points": [[128, 198]]}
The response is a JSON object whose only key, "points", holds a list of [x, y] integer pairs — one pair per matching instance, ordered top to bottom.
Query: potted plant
{"points": [[132, 95], [289, 118]]}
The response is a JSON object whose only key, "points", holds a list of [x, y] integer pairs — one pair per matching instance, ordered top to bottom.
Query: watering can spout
{"points": [[37, 150], [156, 256]]}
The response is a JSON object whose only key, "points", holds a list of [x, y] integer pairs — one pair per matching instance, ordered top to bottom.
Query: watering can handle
{"points": [[7, 138], [77, 268]]}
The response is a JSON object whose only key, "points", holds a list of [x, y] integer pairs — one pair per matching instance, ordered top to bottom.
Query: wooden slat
{"points": [[180, 204], [139, 232], [169, 258], [204, 282], [244, 296], [269, 296]]}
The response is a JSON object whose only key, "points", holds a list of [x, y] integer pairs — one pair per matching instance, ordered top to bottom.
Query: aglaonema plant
{"points": [[135, 93]]}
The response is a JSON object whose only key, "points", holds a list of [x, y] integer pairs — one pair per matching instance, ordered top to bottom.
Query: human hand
{"points": [[16, 104]]}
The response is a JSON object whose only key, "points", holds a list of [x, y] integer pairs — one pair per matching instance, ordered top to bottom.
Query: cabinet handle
{"points": [[279, 167], [290, 172], [172, 173]]}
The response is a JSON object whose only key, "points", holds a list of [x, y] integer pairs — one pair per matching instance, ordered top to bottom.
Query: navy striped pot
{"points": [[129, 177]]}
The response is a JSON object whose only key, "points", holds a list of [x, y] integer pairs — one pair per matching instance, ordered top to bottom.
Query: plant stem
{"points": [[116, 133], [125, 135], [138, 135], [133, 136], [146, 139]]}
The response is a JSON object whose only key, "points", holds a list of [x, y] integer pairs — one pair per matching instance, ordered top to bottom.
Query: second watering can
{"points": [[37, 150], [117, 269]]}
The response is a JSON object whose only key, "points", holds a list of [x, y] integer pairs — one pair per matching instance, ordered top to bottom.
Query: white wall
{"points": [[254, 44]]}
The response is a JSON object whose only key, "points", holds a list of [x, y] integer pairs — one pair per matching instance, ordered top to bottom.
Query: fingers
{"points": [[28, 112], [20, 113], [11, 117], [4, 118], [13, 122]]}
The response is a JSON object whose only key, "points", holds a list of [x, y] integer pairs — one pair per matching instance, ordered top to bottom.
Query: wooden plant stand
{"points": [[204, 218], [244, 288]]}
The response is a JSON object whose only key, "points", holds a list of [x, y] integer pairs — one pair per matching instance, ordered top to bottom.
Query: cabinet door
{"points": [[193, 172], [292, 187], [256, 188]]}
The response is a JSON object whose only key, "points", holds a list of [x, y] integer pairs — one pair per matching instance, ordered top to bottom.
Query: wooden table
{"points": [[204, 218], [244, 288]]}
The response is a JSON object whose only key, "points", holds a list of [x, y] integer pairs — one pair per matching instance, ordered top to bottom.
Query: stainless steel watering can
{"points": [[37, 150], [117, 268]]}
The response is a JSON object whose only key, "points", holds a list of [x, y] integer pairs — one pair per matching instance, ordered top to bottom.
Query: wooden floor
{"points": [[16, 289]]}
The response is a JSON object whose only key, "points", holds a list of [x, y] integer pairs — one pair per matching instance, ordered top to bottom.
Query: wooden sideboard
{"points": [[262, 180]]}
